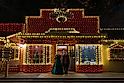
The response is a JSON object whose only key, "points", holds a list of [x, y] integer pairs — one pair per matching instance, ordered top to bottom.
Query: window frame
{"points": [[44, 54], [79, 57]]}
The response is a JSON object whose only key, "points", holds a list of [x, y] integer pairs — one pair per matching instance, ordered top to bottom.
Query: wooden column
{"points": [[53, 51], [21, 59]]}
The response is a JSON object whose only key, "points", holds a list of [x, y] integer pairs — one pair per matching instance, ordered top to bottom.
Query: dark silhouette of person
{"points": [[36, 57], [65, 61], [57, 67]]}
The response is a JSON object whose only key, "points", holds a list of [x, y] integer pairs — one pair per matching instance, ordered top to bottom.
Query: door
{"points": [[60, 48], [71, 52]]}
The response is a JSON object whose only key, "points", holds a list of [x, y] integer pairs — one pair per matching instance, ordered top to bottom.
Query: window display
{"points": [[36, 54], [88, 54]]}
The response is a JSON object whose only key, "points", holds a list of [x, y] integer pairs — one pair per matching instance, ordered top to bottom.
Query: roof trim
{"points": [[112, 28]]}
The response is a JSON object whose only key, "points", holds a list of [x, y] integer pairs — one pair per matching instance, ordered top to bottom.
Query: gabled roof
{"points": [[116, 46]]}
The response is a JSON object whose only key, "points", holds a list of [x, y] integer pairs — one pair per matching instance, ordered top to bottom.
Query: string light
{"points": [[11, 27], [42, 27]]}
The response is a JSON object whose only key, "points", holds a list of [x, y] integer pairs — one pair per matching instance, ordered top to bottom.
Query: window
{"points": [[116, 52], [10, 53], [14, 53], [38, 54], [88, 54]]}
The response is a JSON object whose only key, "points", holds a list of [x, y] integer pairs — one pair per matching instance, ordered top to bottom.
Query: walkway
{"points": [[72, 76]]}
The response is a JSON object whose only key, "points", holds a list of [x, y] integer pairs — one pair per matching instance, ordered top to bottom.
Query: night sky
{"points": [[111, 12]]}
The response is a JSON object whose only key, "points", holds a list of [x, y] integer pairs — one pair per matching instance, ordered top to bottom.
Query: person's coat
{"points": [[65, 60], [57, 67]]}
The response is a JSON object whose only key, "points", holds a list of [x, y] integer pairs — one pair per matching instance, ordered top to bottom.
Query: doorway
{"points": [[60, 48], [70, 49]]}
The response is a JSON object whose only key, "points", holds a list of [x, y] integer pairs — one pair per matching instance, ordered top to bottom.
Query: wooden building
{"points": [[35, 43]]}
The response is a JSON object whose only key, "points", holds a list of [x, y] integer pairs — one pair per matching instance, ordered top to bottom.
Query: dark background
{"points": [[111, 12]]}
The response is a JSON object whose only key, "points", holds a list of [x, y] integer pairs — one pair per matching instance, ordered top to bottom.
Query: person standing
{"points": [[36, 57], [65, 61], [57, 67]]}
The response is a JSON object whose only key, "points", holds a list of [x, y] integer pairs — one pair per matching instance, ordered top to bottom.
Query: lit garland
{"points": [[84, 24], [112, 29], [42, 35], [62, 36], [3, 39], [114, 40], [45, 48], [97, 54]]}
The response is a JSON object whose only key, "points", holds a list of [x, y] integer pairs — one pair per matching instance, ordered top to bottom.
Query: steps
{"points": [[62, 80]]}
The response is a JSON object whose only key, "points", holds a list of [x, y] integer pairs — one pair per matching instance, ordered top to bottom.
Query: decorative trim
{"points": [[68, 10], [57, 19], [112, 29], [72, 30], [24, 36], [113, 46]]}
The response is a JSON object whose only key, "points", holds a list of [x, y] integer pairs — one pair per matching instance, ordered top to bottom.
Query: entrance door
{"points": [[62, 47], [71, 52]]}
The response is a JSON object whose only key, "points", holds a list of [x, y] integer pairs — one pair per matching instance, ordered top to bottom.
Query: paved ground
{"points": [[69, 75], [66, 78]]}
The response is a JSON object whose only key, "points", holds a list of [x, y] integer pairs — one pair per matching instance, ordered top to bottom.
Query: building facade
{"points": [[35, 43]]}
